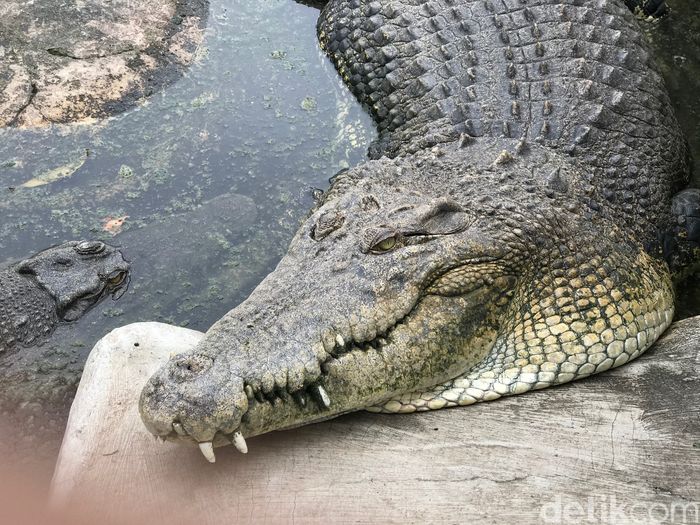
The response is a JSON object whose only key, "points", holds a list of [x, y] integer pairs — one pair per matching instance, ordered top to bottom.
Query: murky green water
{"points": [[261, 114], [260, 119], [214, 174]]}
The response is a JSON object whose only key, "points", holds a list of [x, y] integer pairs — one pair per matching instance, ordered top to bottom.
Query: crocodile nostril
{"points": [[189, 367]]}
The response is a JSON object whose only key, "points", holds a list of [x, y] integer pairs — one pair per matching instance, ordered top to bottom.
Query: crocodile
{"points": [[510, 230], [59, 284]]}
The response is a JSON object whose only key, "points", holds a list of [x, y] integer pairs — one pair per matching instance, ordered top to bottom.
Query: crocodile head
{"points": [[77, 275], [384, 290]]}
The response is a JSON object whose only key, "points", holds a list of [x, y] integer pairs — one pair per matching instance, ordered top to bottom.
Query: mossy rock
{"points": [[84, 60]]}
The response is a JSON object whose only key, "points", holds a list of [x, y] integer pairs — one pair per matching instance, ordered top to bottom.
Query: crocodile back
{"points": [[575, 76], [27, 311]]}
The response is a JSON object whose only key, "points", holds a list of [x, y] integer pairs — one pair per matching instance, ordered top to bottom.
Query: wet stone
{"points": [[82, 60]]}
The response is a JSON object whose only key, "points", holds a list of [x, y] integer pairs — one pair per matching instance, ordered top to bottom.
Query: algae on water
{"points": [[53, 175]]}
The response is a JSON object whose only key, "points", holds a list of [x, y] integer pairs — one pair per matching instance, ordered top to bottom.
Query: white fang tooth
{"points": [[339, 340], [249, 392], [324, 396], [178, 428], [239, 442], [208, 450]]}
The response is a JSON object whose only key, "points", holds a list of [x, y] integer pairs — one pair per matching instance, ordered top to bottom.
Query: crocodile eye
{"points": [[380, 240], [385, 244], [116, 279]]}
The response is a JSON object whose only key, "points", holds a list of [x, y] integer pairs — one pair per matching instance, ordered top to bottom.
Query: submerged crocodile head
{"points": [[77, 275], [384, 290]]}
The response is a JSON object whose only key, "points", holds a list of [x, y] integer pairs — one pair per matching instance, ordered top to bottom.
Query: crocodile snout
{"points": [[188, 368], [193, 398]]}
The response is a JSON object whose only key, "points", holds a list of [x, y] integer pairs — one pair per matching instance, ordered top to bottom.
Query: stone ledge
{"points": [[64, 62], [627, 438]]}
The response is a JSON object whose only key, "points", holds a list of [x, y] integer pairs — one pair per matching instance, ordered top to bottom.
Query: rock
{"points": [[78, 61], [120, 362], [626, 439]]}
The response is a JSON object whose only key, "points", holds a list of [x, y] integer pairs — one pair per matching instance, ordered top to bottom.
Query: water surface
{"points": [[213, 175]]}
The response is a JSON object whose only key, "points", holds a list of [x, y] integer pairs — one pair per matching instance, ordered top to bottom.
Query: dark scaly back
{"points": [[574, 76], [28, 311]]}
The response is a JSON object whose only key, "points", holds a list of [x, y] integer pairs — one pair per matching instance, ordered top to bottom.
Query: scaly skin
{"points": [[504, 236], [58, 284]]}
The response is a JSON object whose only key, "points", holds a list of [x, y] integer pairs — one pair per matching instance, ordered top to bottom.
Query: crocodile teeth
{"points": [[339, 339], [249, 392], [322, 396], [300, 398], [177, 427], [239, 442], [208, 450]]}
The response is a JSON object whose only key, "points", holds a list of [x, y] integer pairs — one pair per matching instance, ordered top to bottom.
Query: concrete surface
{"points": [[621, 447]]}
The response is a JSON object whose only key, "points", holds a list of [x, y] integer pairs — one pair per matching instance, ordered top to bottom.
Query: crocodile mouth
{"points": [[314, 389], [313, 399]]}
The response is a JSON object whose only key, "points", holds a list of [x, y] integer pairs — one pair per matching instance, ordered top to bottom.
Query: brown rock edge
{"points": [[82, 60], [614, 448]]}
